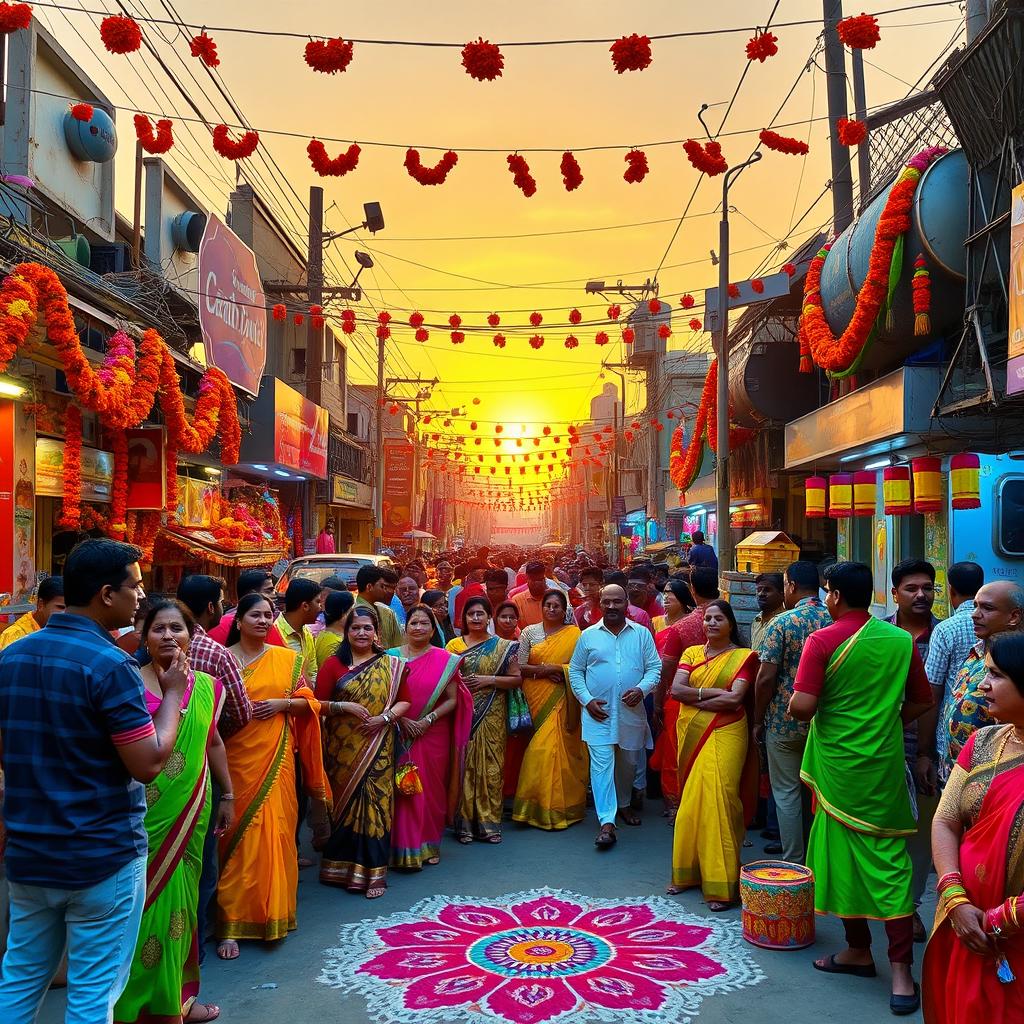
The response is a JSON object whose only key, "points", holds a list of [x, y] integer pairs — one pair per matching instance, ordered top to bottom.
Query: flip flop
{"points": [[606, 839], [830, 966]]}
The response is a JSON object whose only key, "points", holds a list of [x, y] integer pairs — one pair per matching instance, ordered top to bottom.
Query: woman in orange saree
{"points": [[717, 765], [259, 867], [974, 963]]}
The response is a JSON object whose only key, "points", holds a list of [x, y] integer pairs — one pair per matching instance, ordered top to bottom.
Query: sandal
{"points": [[495, 839], [465, 840], [434, 860], [674, 890], [375, 892], [717, 906], [224, 949], [829, 965], [210, 1011]]}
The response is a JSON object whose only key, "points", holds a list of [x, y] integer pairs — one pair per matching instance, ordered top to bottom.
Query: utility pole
{"points": [[835, 72], [860, 112], [315, 290], [618, 425], [378, 499]]}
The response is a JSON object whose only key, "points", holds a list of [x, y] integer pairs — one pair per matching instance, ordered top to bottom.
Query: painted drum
{"points": [[778, 904]]}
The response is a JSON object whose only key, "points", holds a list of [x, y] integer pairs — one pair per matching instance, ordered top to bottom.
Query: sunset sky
{"points": [[475, 244]]}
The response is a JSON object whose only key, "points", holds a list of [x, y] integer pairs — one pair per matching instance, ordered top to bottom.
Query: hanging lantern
{"points": [[927, 472], [964, 477], [865, 491], [896, 491], [840, 495], [814, 497]]}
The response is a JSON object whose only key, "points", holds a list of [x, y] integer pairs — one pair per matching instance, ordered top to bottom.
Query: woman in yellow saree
{"points": [[489, 668], [717, 762], [552, 790], [259, 865]]}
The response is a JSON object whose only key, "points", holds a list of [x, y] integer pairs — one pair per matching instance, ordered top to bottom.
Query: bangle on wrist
{"points": [[227, 796]]}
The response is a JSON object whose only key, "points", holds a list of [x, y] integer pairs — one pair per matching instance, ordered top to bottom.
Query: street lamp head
{"points": [[374, 217], [364, 259], [594, 287]]}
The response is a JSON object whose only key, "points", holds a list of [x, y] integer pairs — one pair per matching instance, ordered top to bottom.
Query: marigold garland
{"points": [[14, 17], [859, 32], [120, 34], [762, 45], [203, 47], [631, 53], [328, 56], [482, 60], [82, 112], [851, 133], [155, 142], [783, 143], [232, 149], [706, 158], [636, 166], [328, 167], [520, 169], [429, 175], [572, 176], [789, 269], [757, 286], [921, 286], [687, 301], [279, 311], [614, 311], [575, 316], [416, 319], [536, 319], [493, 320], [696, 325], [664, 332], [422, 334], [628, 336], [601, 338], [499, 341], [537, 341], [572, 342], [839, 355], [71, 513], [118, 525]]}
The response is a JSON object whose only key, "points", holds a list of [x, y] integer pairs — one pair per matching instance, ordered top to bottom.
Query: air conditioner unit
{"points": [[111, 259]]}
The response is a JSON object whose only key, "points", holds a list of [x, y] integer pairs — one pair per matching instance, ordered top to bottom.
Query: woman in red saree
{"points": [[974, 963]]}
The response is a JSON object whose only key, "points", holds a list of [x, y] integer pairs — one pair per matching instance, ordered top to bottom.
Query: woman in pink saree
{"points": [[434, 734]]}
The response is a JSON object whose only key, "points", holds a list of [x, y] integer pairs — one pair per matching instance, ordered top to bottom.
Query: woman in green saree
{"points": [[489, 668], [164, 979]]}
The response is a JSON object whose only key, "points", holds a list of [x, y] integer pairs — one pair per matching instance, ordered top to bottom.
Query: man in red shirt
{"points": [[250, 581], [858, 682]]}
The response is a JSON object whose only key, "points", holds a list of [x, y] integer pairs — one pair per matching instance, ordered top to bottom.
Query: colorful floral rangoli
{"points": [[539, 956]]}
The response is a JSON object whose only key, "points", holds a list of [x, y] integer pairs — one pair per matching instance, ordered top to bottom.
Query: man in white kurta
{"points": [[614, 667]]}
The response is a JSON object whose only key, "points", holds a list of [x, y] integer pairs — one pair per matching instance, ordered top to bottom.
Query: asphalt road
{"points": [[279, 983]]}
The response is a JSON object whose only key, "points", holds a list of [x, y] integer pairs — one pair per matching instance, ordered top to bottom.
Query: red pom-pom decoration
{"points": [[14, 17], [859, 32], [120, 34], [762, 46], [203, 47], [631, 53], [328, 56], [482, 60], [82, 112], [851, 133], [155, 142], [783, 143], [231, 149], [706, 158], [636, 166], [328, 167], [430, 175], [521, 175], [572, 176], [789, 269], [757, 285], [734, 291], [687, 301], [653, 306], [614, 311], [279, 312], [316, 316], [575, 316], [384, 317], [298, 319], [536, 319], [416, 320], [493, 320], [348, 321], [455, 321], [696, 325], [383, 332], [664, 332], [422, 334], [628, 336], [458, 337], [601, 338], [499, 341], [537, 341], [571, 342]]}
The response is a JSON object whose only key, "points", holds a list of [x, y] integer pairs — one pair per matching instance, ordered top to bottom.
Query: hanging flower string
{"points": [[14, 17], [859, 32], [120, 34], [762, 46], [203, 47], [631, 53], [328, 56], [482, 60], [851, 133], [155, 142], [783, 143], [232, 149], [706, 158], [636, 166], [335, 167], [429, 175], [521, 175], [572, 176], [922, 295], [70, 516]]}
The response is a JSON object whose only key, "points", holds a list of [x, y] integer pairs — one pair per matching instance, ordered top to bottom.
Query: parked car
{"points": [[319, 567]]}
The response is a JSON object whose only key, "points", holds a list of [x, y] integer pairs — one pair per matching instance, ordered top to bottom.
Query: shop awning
{"points": [[203, 545]]}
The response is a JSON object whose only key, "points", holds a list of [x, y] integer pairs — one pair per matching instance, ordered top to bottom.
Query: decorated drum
{"points": [[778, 904]]}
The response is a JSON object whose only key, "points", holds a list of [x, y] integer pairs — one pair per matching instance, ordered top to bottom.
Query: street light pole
{"points": [[725, 556]]}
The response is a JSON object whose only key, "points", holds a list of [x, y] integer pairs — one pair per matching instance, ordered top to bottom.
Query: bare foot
{"points": [[432, 860], [375, 892], [227, 949], [202, 1012]]}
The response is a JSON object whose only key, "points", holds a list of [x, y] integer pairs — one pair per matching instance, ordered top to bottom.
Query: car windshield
{"points": [[319, 570]]}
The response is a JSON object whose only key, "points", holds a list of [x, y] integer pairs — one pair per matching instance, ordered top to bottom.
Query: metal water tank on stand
{"points": [[938, 229]]}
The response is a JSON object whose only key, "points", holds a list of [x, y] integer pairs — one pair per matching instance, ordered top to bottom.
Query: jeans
{"points": [[792, 798], [101, 927]]}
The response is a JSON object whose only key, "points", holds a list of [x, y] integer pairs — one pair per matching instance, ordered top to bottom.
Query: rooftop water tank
{"points": [[938, 228]]}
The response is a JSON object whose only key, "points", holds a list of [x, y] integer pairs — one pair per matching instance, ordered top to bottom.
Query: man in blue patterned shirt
{"points": [[783, 737]]}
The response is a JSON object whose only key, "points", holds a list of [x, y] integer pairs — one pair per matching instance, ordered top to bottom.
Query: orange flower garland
{"points": [[71, 514], [118, 526]]}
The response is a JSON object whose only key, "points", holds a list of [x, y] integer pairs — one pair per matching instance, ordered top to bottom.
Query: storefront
{"points": [[350, 508]]}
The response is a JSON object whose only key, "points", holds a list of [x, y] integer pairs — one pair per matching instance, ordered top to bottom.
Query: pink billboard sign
{"points": [[232, 306]]}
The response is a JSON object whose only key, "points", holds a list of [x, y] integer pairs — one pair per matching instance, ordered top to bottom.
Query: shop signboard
{"points": [[232, 306], [1015, 352], [300, 431], [97, 471], [146, 473], [398, 481]]}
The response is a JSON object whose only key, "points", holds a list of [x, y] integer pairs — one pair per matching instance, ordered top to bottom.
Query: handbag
{"points": [[519, 718], [407, 779]]}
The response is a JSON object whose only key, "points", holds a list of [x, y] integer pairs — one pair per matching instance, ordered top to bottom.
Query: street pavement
{"points": [[274, 984]]}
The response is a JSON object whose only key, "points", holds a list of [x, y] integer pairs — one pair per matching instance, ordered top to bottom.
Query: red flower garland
{"points": [[14, 17], [859, 32], [120, 34], [762, 45], [203, 47], [631, 53], [328, 56], [482, 60], [82, 112], [851, 133], [155, 142], [783, 143], [231, 149], [706, 158], [328, 167], [520, 169], [636, 169], [429, 175], [572, 176], [789, 269], [757, 286], [921, 286], [734, 291], [687, 301], [653, 306], [614, 311], [279, 312], [316, 316], [575, 316], [297, 319], [416, 319], [536, 319], [493, 320], [348, 321], [455, 321], [696, 325], [664, 332], [422, 334], [628, 336], [458, 337], [601, 338], [499, 341], [537, 341], [571, 342], [119, 491], [70, 516]]}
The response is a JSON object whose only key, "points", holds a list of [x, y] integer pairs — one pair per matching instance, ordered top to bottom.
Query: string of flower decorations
{"points": [[840, 355], [121, 391]]}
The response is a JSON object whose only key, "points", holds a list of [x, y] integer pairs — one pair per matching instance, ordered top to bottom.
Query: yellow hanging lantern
{"points": [[927, 472], [964, 480], [865, 490], [896, 490], [840, 495], [814, 497]]}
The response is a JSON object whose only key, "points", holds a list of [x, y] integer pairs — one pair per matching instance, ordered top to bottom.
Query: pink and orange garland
{"points": [[838, 355], [121, 391]]}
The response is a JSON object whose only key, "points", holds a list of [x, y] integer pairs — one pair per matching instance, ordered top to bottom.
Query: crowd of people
{"points": [[185, 758]]}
